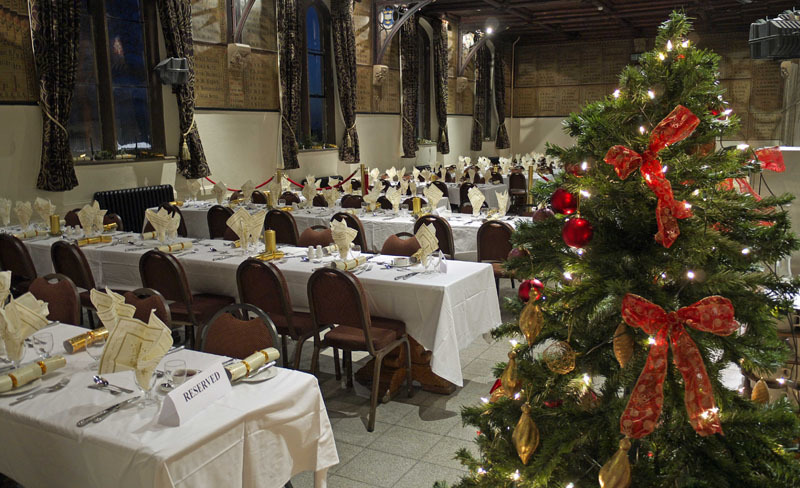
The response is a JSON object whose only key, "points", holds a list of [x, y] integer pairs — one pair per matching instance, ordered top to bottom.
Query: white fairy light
{"points": [[685, 43], [669, 45], [662, 56], [617, 93], [651, 94], [727, 111], [642, 129], [743, 147], [584, 166], [664, 168], [696, 192], [585, 194], [687, 206], [746, 251], [579, 252], [690, 274], [567, 275], [663, 276], [651, 340], [513, 342], [587, 379], [781, 380], [517, 396], [484, 400], [707, 413], [481, 471], [515, 475], [570, 485]]}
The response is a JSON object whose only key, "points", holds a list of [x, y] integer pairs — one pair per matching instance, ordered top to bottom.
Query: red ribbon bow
{"points": [[675, 127], [771, 158], [713, 314]]}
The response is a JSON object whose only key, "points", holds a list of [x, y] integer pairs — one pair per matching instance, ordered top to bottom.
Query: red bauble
{"points": [[574, 169], [564, 202], [542, 214], [577, 232], [517, 253], [524, 292]]}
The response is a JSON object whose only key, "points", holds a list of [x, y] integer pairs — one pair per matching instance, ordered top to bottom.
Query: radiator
{"points": [[130, 203]]}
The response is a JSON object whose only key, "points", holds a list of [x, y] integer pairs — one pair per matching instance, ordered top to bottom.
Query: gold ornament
{"points": [[530, 321], [623, 344], [559, 357], [509, 379], [760, 392], [526, 435], [616, 473]]}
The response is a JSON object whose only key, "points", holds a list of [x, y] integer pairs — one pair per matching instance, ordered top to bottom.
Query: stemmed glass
{"points": [[281, 203], [364, 208], [355, 251], [43, 344], [95, 351], [175, 370], [145, 383]]}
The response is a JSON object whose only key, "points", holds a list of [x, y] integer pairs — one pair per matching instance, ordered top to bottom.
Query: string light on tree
{"points": [[617, 93]]}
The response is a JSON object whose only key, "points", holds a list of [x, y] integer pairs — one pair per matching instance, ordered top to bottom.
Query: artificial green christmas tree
{"points": [[656, 277]]}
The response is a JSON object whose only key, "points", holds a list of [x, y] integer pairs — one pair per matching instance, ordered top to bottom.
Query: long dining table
{"points": [[443, 312], [257, 435]]}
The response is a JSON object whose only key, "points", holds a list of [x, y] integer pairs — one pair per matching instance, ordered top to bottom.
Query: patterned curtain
{"points": [[176, 24], [55, 26], [344, 50], [409, 65], [290, 73], [440, 82], [482, 87], [501, 141]]}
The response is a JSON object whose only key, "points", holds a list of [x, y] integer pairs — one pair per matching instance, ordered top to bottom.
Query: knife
{"points": [[406, 276], [258, 371], [99, 416]]}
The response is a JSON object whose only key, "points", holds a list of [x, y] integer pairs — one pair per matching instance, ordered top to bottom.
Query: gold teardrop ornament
{"points": [[531, 321], [623, 344], [511, 383], [760, 392], [526, 435], [616, 473]]}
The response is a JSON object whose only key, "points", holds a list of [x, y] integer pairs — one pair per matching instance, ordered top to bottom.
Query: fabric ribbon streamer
{"points": [[675, 127], [771, 158], [294, 182], [713, 314]]}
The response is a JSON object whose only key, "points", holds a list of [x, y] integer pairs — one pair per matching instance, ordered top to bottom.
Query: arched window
{"points": [[424, 84], [318, 123]]}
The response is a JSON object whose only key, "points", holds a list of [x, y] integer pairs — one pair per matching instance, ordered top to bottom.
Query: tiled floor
{"points": [[415, 439]]}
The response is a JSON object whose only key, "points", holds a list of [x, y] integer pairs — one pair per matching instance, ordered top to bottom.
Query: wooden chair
{"points": [[448, 177], [496, 178], [355, 185], [441, 186], [517, 190], [258, 197], [289, 197], [319, 201], [352, 201], [384, 203], [172, 209], [71, 218], [112, 218], [217, 218], [354, 223], [284, 226], [444, 233], [317, 235], [400, 244], [494, 244], [14, 257], [68, 259], [163, 272], [263, 285], [61, 296], [337, 297], [147, 300], [231, 332]]}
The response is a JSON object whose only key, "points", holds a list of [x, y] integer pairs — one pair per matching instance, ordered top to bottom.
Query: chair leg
{"points": [[512, 283], [497, 285], [91, 318], [188, 331], [298, 349], [284, 351], [315, 360], [348, 365], [337, 367], [409, 379], [376, 383]]}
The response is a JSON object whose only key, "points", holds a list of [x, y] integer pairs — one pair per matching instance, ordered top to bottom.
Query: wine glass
{"points": [[281, 203], [364, 208], [355, 251], [43, 344], [95, 351], [175, 370], [145, 381]]}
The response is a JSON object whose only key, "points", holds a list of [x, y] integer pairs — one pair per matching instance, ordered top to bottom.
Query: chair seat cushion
{"points": [[204, 306], [301, 321], [383, 332]]}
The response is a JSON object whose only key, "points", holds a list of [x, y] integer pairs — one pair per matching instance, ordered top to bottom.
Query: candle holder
{"points": [[55, 225], [270, 244]]}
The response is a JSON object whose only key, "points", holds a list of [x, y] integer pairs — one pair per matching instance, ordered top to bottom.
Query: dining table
{"points": [[256, 435]]}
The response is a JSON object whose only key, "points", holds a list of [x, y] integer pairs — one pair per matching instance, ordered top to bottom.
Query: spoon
{"points": [[102, 381]]}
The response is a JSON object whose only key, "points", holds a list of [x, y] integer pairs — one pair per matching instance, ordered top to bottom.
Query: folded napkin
{"points": [[518, 158], [484, 163], [505, 165], [460, 167], [472, 172], [391, 173], [401, 173], [374, 174], [415, 174], [426, 175], [286, 185], [412, 185], [193, 187], [347, 187], [403, 187], [274, 189], [247, 190], [310, 190], [220, 191], [433, 194], [330, 195], [372, 197], [395, 197], [476, 198], [502, 202], [44, 208], [5, 211], [24, 212], [91, 218], [161, 222], [173, 226], [247, 227], [29, 233], [343, 236], [426, 236], [178, 246], [348, 264], [5, 286], [110, 307], [19, 319], [81, 341], [138, 346], [251, 363], [30, 372]]}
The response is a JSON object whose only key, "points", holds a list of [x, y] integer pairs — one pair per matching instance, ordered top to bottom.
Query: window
{"points": [[114, 109], [318, 112], [423, 125]]}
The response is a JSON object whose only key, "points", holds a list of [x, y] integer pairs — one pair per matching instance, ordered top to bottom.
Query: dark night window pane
{"points": [[123, 9], [313, 37], [126, 53], [86, 71], [315, 75], [131, 111], [317, 118], [84, 121]]}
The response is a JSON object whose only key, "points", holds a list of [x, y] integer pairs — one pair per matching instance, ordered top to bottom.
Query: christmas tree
{"points": [[653, 275]]}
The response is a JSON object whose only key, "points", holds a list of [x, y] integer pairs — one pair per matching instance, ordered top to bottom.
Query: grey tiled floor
{"points": [[415, 439]]}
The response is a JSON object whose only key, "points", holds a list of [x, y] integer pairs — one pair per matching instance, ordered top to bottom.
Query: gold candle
{"points": [[530, 185], [364, 189], [270, 202], [417, 202], [55, 225], [269, 241]]}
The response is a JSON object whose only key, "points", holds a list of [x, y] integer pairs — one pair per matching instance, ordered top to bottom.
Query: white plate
{"points": [[262, 376], [23, 389]]}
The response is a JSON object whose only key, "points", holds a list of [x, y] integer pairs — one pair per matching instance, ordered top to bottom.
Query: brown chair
{"points": [[448, 177], [496, 178], [355, 185], [441, 186], [517, 190], [463, 192], [237, 195], [258, 197], [289, 197], [319, 201], [352, 201], [409, 202], [384, 203], [465, 208], [172, 209], [71, 218], [112, 218], [217, 218], [354, 223], [284, 226], [444, 233], [318, 235], [400, 244], [494, 244], [14, 257], [68, 259], [163, 272], [263, 285], [337, 297], [147, 300], [63, 303], [231, 332]]}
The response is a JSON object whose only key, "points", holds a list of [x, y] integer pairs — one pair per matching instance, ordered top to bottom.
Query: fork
{"points": [[50, 389]]}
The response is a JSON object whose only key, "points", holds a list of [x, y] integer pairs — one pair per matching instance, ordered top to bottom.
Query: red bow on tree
{"points": [[675, 127], [771, 158], [713, 314]]}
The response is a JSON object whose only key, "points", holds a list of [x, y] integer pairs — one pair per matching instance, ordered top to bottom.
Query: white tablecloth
{"points": [[489, 191], [444, 312], [259, 435]]}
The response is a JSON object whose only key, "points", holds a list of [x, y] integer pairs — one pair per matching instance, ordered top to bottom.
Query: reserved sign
{"points": [[187, 400]]}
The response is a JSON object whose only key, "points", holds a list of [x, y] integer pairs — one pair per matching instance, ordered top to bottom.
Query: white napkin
{"points": [[518, 158], [484, 163], [505, 165], [460, 167], [472, 172], [391, 173], [401, 173], [374, 174], [415, 174], [426, 175], [286, 185], [412, 185], [194, 186], [347, 187], [403, 187], [274, 189], [247, 190], [310, 190], [220, 191], [433, 194], [331, 195], [394, 196], [372, 197], [476, 198], [502, 202], [44, 208], [5, 211], [24, 212], [91, 218], [160, 221], [174, 224], [247, 227], [343, 236], [426, 236], [349, 264], [5, 286], [110, 307], [21, 318], [138, 346]]}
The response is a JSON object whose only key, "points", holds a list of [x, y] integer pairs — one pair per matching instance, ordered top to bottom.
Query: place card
{"points": [[189, 399]]}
